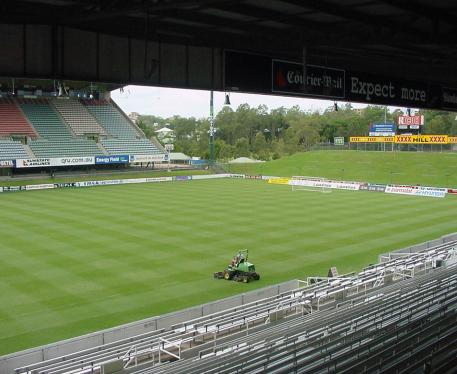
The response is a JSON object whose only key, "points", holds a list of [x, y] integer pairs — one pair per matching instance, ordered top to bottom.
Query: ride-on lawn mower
{"points": [[239, 270]]}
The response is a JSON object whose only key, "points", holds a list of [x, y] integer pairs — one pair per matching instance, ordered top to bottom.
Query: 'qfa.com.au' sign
{"points": [[287, 77]]}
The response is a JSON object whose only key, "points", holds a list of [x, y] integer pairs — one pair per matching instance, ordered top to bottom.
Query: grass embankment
{"points": [[430, 169]]}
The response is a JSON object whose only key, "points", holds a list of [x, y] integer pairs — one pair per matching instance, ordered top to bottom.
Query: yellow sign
{"points": [[371, 139], [406, 139], [421, 139], [278, 180]]}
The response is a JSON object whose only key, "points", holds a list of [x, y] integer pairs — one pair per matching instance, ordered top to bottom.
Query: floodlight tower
{"points": [[212, 129]]}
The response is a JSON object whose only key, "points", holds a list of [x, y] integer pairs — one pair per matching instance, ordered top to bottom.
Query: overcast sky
{"points": [[166, 102]]}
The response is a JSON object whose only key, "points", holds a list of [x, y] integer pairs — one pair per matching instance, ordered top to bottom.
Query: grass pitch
{"points": [[78, 260]]}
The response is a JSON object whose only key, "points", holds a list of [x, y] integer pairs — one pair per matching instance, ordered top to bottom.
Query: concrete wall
{"points": [[421, 246], [19, 359]]}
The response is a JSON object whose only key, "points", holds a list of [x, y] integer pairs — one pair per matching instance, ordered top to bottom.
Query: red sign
{"points": [[411, 120]]}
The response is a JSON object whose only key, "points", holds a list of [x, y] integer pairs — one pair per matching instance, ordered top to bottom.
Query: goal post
{"points": [[313, 184]]}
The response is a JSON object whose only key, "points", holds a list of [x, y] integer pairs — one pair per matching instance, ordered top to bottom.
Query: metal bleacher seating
{"points": [[77, 117], [44, 119], [111, 119], [12, 121], [129, 146], [64, 147], [11, 150], [391, 317]]}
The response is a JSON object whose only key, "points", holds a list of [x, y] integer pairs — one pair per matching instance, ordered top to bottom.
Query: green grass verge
{"points": [[431, 169], [78, 260]]}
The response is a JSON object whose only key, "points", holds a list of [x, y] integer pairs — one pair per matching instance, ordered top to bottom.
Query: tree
{"points": [[242, 147]]}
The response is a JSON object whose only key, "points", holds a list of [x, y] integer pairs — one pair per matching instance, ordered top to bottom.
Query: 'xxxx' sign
{"points": [[421, 139]]}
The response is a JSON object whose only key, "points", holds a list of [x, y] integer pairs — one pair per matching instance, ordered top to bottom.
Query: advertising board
{"points": [[266, 74], [287, 77], [411, 120], [382, 129], [371, 139], [421, 139], [338, 140], [148, 158], [114, 159], [56, 161], [33, 163], [6, 164], [278, 180], [325, 184], [32, 187], [417, 191]]}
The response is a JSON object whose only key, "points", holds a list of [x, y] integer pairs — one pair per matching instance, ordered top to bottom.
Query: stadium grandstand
{"points": [[33, 127], [395, 316]]}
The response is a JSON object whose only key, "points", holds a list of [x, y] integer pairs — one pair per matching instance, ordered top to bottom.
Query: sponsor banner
{"points": [[265, 74], [287, 77], [411, 120], [382, 129], [371, 139], [421, 139], [452, 139], [338, 140], [148, 158], [115, 159], [57, 161], [68, 161], [33, 163], [7, 164], [236, 175], [210, 176], [253, 177], [268, 177], [182, 178], [160, 179], [133, 180], [278, 180], [97, 183], [325, 184], [64, 185], [31, 187], [376, 187], [13, 188], [1, 189], [417, 191], [452, 191]]}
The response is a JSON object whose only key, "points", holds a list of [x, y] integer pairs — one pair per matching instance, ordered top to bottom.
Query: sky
{"points": [[166, 102]]}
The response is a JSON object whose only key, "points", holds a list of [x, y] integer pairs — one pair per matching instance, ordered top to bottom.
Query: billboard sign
{"points": [[265, 74], [287, 77], [411, 120], [382, 129], [371, 139], [421, 139], [338, 140], [147, 158], [115, 159], [57, 161], [33, 163], [6, 164], [417, 191]]}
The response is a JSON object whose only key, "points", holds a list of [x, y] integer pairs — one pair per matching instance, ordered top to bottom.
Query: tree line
{"points": [[270, 134]]}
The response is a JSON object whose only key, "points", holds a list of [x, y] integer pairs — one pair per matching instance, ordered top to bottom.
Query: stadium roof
{"points": [[378, 36]]}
